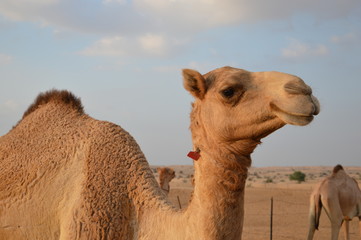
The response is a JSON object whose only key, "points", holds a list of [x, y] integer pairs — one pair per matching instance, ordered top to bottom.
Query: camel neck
{"points": [[164, 185], [217, 203], [216, 209]]}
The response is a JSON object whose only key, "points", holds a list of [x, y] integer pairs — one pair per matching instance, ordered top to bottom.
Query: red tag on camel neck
{"points": [[194, 155]]}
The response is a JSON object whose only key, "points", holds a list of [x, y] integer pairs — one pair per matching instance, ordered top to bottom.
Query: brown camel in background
{"points": [[65, 175], [340, 196]]}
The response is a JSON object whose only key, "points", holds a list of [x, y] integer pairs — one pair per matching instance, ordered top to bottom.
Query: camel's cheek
{"points": [[220, 123]]}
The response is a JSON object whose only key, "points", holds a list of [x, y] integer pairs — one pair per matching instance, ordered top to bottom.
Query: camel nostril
{"points": [[297, 87]]}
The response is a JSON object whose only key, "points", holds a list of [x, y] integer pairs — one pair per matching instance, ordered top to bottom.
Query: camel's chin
{"points": [[299, 119]]}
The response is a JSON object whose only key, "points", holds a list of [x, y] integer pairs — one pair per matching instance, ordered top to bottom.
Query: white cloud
{"points": [[23, 10], [192, 14], [201, 14], [171, 16], [153, 27], [349, 38], [153, 44], [144, 45], [109, 46], [297, 50], [5, 59]]}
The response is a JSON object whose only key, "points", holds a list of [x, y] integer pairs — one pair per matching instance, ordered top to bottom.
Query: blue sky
{"points": [[124, 58]]}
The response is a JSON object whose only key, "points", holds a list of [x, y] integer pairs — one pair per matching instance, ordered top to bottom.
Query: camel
{"points": [[65, 175], [166, 175], [340, 196]]}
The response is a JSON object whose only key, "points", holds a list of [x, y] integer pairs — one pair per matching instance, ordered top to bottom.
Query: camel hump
{"points": [[58, 96], [337, 168]]}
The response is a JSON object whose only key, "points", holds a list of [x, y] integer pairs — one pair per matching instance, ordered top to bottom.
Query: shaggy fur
{"points": [[62, 97], [337, 168], [65, 175], [340, 196]]}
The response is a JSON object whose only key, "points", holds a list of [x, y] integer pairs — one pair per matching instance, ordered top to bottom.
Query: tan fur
{"points": [[65, 175], [166, 175], [340, 196]]}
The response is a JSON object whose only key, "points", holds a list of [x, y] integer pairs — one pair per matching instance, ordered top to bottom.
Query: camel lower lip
{"points": [[298, 115], [292, 118], [305, 118]]}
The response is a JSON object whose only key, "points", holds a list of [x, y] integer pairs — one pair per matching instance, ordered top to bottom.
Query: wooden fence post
{"points": [[180, 206], [271, 219]]}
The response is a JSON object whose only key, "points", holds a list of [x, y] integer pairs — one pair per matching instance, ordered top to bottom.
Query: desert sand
{"points": [[290, 201]]}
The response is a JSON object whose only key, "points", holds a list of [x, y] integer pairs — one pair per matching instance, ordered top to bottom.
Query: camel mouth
{"points": [[294, 118]]}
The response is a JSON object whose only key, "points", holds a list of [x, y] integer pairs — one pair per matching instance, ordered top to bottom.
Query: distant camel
{"points": [[65, 175], [166, 175], [340, 196]]}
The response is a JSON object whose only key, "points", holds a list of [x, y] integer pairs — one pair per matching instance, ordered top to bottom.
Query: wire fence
{"points": [[274, 211], [279, 214], [276, 218]]}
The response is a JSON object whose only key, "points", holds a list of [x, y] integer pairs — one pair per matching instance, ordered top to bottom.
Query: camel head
{"points": [[233, 104], [166, 173], [165, 176]]}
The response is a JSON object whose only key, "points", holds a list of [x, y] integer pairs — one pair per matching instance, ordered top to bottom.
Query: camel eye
{"points": [[228, 93]]}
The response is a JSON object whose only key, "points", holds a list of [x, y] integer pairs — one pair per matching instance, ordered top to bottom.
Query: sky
{"points": [[124, 58]]}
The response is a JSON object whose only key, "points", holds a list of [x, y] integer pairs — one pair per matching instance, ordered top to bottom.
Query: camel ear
{"points": [[194, 83]]}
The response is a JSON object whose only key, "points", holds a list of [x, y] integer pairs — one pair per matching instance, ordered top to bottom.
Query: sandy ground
{"points": [[290, 201]]}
